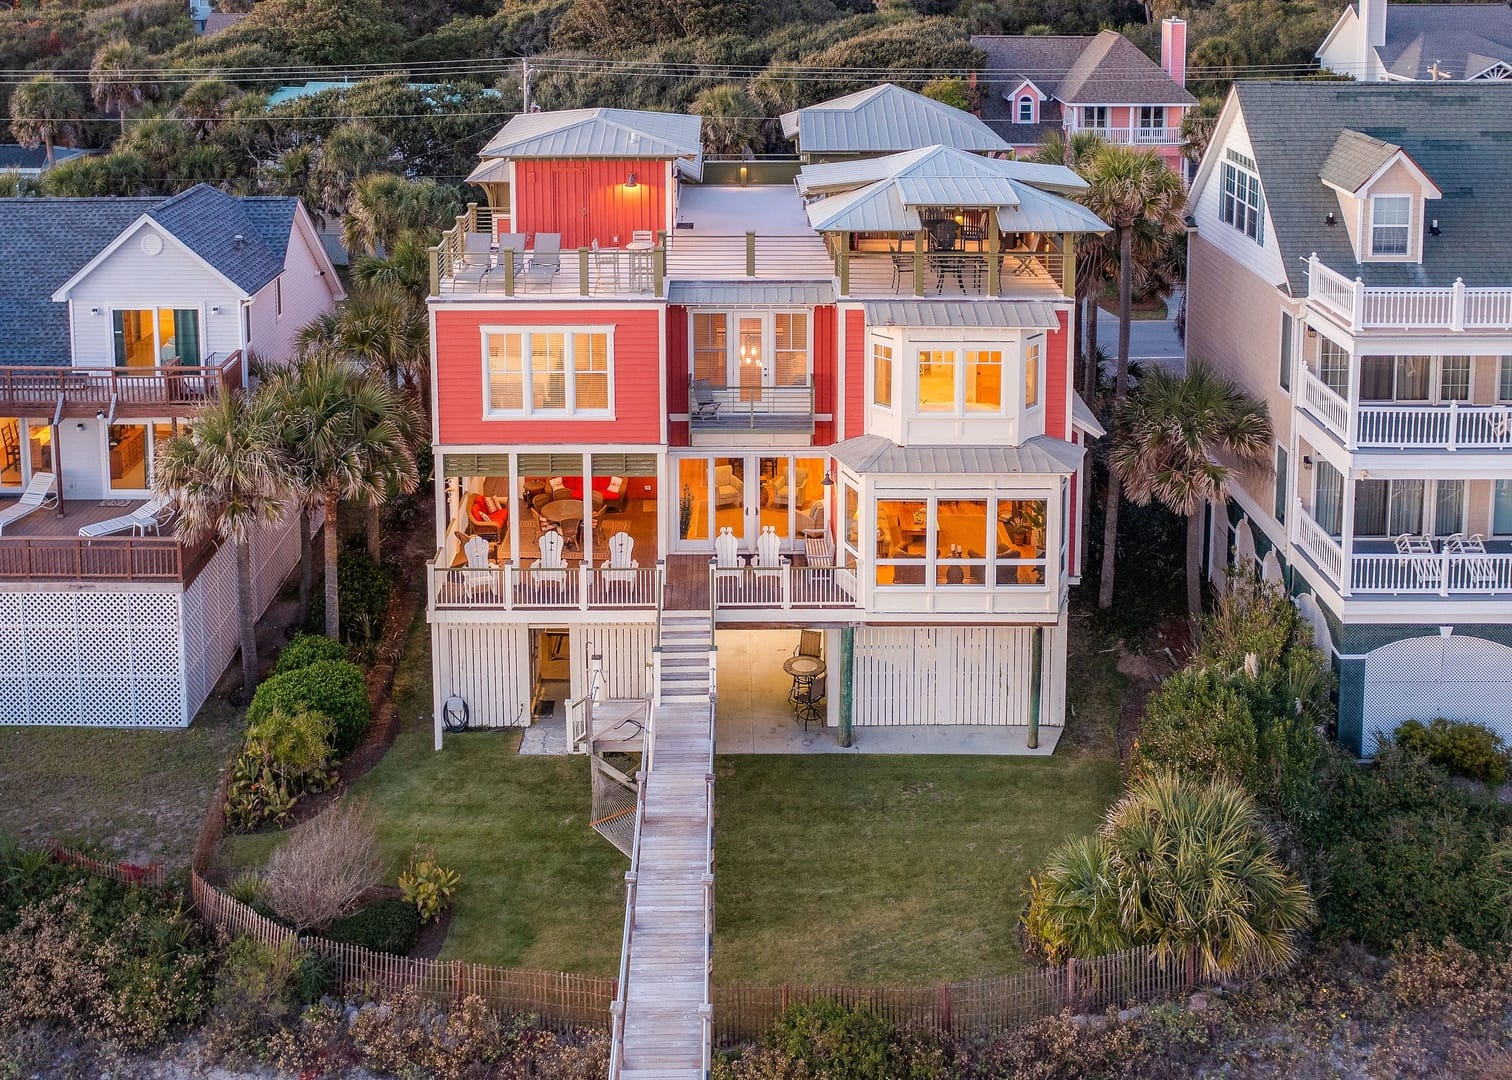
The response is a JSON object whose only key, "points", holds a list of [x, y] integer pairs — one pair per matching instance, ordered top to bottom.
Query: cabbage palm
{"points": [[120, 79], [206, 104], [46, 112], [732, 121], [1129, 189], [382, 207], [404, 265], [383, 329], [355, 437], [1172, 438], [227, 475], [1197, 873], [1073, 904]]}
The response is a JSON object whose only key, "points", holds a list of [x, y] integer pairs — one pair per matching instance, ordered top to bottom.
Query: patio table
{"points": [[803, 667]]}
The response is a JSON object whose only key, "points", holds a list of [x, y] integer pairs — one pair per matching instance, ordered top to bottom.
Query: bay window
{"points": [[1032, 361], [548, 372], [882, 375], [937, 380], [984, 380], [948, 542]]}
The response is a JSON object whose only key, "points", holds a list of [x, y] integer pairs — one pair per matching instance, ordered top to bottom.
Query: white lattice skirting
{"points": [[129, 659]]}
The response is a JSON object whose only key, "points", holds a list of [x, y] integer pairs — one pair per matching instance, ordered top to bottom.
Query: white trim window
{"points": [[1026, 109], [1095, 117], [1151, 117], [1241, 203], [1390, 225], [752, 348], [1034, 351], [1333, 367], [569, 371], [882, 374], [1504, 380], [1501, 508]]}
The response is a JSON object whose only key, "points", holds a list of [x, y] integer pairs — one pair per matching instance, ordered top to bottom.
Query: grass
{"points": [[140, 792]]}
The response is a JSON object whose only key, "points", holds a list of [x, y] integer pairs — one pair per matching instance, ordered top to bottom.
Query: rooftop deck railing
{"points": [[950, 273], [1456, 307], [169, 388]]}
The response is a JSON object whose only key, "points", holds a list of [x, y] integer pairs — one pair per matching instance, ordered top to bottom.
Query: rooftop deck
{"points": [[43, 547]]}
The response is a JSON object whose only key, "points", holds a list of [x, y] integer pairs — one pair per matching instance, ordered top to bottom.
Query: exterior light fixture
{"points": [[630, 183], [1331, 220], [1433, 229], [1307, 461], [828, 481]]}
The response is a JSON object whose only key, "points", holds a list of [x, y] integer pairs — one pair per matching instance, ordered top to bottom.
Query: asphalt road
{"points": [[1148, 340]]}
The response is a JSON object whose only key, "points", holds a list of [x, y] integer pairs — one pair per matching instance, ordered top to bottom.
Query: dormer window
{"points": [[1026, 109], [1241, 204], [1390, 224]]}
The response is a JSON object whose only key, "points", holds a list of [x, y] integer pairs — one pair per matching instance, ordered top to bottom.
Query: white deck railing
{"points": [[1362, 307], [1323, 402], [1450, 426], [1313, 539], [1439, 573], [783, 587], [510, 588]]}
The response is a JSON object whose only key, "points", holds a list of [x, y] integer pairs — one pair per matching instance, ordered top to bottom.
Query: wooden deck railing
{"points": [[173, 388], [108, 558]]}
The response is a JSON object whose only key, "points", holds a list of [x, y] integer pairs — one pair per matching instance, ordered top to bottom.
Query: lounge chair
{"points": [[547, 252], [475, 262], [704, 405], [38, 494], [150, 515]]}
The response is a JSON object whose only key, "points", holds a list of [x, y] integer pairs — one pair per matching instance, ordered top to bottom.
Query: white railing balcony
{"points": [[1139, 136], [1455, 307], [1453, 425], [1376, 569], [785, 587], [512, 588]]}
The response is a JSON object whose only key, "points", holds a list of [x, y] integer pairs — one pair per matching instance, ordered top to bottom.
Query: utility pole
{"points": [[524, 85]]}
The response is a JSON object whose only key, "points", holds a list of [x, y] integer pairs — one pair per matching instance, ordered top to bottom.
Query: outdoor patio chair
{"points": [[548, 251], [475, 262], [605, 266], [536, 275], [705, 407], [38, 494], [150, 515], [769, 550], [819, 550], [619, 568], [1427, 568], [549, 571], [1477, 571], [476, 581], [810, 643], [808, 697]]}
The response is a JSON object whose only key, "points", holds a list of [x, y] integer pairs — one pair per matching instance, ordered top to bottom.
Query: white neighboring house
{"points": [[1420, 42], [1349, 264], [118, 318]]}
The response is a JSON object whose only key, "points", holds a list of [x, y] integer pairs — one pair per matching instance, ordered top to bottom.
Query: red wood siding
{"points": [[588, 200], [678, 367], [826, 372], [855, 373], [637, 378], [1057, 380]]}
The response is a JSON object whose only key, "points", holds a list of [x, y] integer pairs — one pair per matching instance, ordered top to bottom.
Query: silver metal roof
{"points": [[883, 118], [597, 133], [936, 160], [489, 170], [956, 191], [750, 293], [1000, 314], [1082, 417], [1039, 456]]}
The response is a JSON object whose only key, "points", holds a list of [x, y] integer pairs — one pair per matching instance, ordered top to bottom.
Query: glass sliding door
{"points": [[747, 493]]}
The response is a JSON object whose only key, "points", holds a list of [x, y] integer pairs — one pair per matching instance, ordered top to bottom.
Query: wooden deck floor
{"points": [[76, 514]]}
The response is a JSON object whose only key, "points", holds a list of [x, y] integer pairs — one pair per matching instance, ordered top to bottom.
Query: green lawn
{"points": [[143, 793]]}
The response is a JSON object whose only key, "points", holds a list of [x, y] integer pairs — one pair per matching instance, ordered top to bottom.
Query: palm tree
{"points": [[120, 79], [206, 104], [46, 112], [732, 122], [1197, 127], [350, 152], [1129, 189], [382, 207], [1096, 254], [405, 265], [383, 329], [1171, 438], [354, 440], [228, 476], [1197, 872], [1073, 904]]}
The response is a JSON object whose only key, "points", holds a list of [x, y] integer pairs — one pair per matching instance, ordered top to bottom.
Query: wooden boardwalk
{"points": [[665, 988]]}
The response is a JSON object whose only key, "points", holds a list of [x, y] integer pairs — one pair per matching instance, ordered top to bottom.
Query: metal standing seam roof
{"points": [[883, 118], [597, 133], [1458, 133], [933, 161], [956, 191], [750, 294], [997, 314], [1084, 418], [1039, 456]]}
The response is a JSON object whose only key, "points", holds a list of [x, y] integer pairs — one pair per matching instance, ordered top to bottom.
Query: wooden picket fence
{"points": [[149, 876], [562, 1001]]}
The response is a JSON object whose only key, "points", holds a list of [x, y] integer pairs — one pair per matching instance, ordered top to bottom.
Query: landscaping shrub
{"points": [[363, 588], [306, 649], [333, 688], [1199, 723], [1465, 749], [285, 755], [1397, 850], [1193, 869], [318, 873], [428, 885], [1073, 903], [390, 926], [257, 992], [841, 1042]]}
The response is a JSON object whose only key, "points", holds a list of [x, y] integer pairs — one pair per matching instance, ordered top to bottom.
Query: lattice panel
{"points": [[104, 609], [155, 609], [210, 625], [12, 649], [52, 650], [105, 651], [155, 652], [13, 701], [53, 701], [106, 702], [158, 702]]}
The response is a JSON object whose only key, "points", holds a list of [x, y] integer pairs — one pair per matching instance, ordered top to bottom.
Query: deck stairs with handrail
{"points": [[662, 1015]]}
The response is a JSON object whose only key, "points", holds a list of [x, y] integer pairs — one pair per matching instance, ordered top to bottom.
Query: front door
{"points": [[747, 493]]}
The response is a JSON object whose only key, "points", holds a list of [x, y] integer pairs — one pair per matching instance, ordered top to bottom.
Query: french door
{"points": [[747, 493]]}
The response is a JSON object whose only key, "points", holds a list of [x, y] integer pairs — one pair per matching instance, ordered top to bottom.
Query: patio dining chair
{"points": [[810, 643], [807, 702]]}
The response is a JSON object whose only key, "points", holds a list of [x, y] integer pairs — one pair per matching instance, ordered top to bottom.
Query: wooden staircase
{"points": [[662, 1019]]}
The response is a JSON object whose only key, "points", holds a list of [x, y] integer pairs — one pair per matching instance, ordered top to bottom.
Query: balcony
{"points": [[1135, 136], [1023, 274], [1361, 307], [27, 390], [744, 410], [1393, 426], [44, 547], [1376, 568], [517, 588]]}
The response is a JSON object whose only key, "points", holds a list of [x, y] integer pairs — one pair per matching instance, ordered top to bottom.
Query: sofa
{"points": [[614, 489], [486, 516]]}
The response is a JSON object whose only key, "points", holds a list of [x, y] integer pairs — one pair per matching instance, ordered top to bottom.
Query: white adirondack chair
{"points": [[727, 550], [768, 552], [551, 568], [619, 568], [476, 580]]}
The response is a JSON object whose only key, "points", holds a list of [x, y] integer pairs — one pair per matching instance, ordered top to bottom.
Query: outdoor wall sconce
{"points": [[630, 184], [1331, 220], [1433, 229], [215, 310], [94, 311], [1307, 461], [828, 481]]}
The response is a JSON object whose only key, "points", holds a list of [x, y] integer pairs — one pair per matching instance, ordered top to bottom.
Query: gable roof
{"points": [[1462, 39], [1103, 69], [886, 118], [597, 133], [1460, 134], [1354, 159], [884, 194], [47, 242]]}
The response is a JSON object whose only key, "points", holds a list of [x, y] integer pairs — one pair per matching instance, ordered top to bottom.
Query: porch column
{"points": [[994, 246], [842, 262], [1068, 265], [918, 266], [1352, 425], [57, 454], [516, 508], [1346, 534], [847, 688]]}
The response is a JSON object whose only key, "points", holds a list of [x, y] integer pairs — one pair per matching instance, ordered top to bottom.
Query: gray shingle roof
{"points": [[1461, 39], [1104, 69], [883, 119], [1460, 134], [1355, 158], [45, 242], [1041, 455]]}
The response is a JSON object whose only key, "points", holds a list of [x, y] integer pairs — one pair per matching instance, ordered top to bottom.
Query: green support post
{"points": [[1036, 662], [847, 687]]}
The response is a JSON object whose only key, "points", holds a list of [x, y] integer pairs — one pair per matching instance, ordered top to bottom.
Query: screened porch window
{"points": [[155, 337], [961, 541]]}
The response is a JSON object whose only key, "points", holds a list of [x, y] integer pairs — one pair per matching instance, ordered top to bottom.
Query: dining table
{"points": [[804, 667]]}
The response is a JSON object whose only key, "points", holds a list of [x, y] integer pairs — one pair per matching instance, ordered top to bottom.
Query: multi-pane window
{"points": [[1026, 110], [1095, 116], [1151, 116], [1241, 203], [1390, 229], [1288, 335], [791, 336], [153, 337], [711, 346], [1032, 362], [1333, 367], [548, 372], [882, 374], [1411, 378], [1454, 378], [937, 380], [984, 380], [1504, 382], [134, 449], [1282, 480], [1388, 507], [1501, 508], [948, 541]]}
